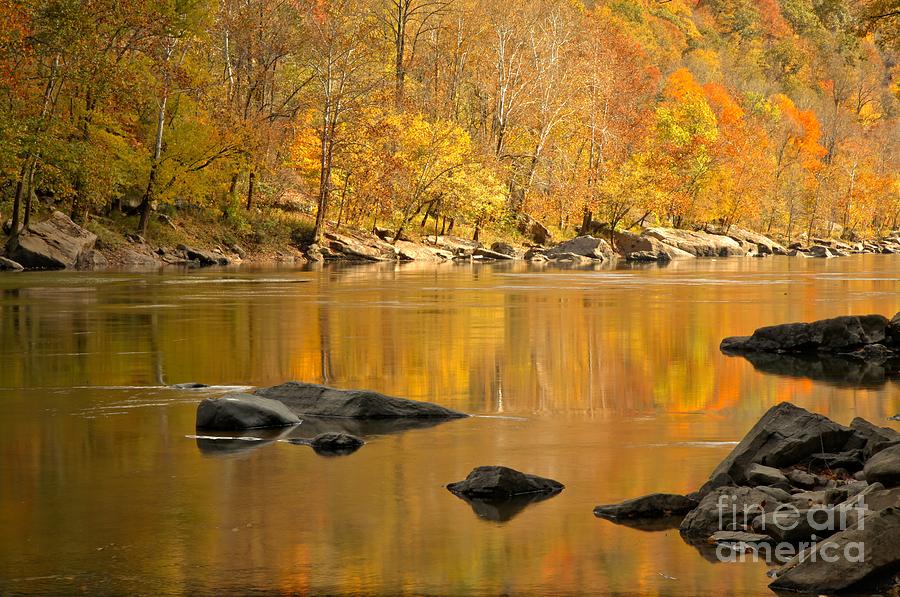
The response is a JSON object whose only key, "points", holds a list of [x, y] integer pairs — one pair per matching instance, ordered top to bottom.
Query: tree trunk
{"points": [[154, 166], [250, 188], [17, 201]]}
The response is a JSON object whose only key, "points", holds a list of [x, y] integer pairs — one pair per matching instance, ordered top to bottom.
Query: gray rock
{"points": [[55, 243], [627, 243], [699, 244], [583, 246], [822, 252], [489, 254], [204, 258], [91, 259], [8, 265], [321, 401], [233, 412], [785, 435], [870, 438], [850, 460], [884, 467], [760, 474], [801, 479], [500, 483], [776, 493], [655, 505], [726, 509], [836, 564]]}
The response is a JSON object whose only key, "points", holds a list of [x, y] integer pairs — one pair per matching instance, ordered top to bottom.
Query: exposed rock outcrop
{"points": [[55, 243], [698, 244], [583, 246], [655, 505]]}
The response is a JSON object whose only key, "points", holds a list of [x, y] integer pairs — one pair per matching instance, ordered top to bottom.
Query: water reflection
{"points": [[841, 371], [593, 373], [503, 510]]}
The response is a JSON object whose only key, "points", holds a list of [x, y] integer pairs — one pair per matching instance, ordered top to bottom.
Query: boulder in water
{"points": [[321, 401], [234, 412], [501, 483]]}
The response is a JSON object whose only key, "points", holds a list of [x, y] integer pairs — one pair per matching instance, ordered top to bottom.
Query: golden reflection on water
{"points": [[609, 381]]}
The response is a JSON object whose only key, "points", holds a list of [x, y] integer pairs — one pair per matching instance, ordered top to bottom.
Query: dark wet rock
{"points": [[55, 243], [699, 244], [583, 246], [504, 248], [647, 257], [204, 258], [91, 260], [8, 265], [834, 335], [873, 353], [836, 370], [189, 385], [321, 401], [233, 412], [785, 435], [870, 438], [336, 444], [851, 460], [884, 467], [760, 474], [802, 479], [500, 483], [776, 493], [809, 499], [655, 505], [726, 509], [504, 510], [649, 525], [795, 525], [740, 538], [836, 564]]}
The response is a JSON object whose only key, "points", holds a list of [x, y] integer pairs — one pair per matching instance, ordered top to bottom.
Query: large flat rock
{"points": [[55, 243], [698, 244], [234, 412]]}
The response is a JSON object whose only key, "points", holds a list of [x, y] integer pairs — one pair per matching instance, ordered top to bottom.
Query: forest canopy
{"points": [[776, 115]]}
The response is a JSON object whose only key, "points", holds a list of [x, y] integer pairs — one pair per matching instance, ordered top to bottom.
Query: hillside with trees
{"points": [[280, 118]]}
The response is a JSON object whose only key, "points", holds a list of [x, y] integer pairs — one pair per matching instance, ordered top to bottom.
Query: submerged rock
{"points": [[55, 243], [321, 401], [233, 412], [336, 444], [502, 483], [655, 505], [847, 559]]}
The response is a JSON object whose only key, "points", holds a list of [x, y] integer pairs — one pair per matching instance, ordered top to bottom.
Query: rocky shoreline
{"points": [[59, 243]]}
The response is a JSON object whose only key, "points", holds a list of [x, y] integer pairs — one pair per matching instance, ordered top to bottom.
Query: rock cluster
{"points": [[793, 474]]}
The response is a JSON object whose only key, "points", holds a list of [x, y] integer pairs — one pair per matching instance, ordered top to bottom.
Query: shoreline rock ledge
{"points": [[793, 467]]}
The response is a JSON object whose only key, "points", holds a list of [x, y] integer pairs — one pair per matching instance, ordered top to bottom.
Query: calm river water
{"points": [[609, 381]]}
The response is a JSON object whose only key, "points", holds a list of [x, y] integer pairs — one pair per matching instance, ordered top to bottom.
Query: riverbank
{"points": [[58, 243]]}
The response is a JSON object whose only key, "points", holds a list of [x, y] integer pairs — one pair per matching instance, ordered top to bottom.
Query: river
{"points": [[609, 381]]}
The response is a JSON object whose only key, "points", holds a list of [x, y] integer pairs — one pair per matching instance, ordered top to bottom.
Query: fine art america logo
{"points": [[790, 531]]}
